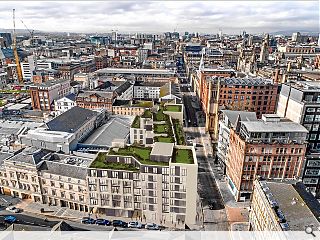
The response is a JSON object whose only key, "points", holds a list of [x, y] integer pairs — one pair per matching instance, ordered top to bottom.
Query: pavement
{"points": [[212, 186], [29, 206]]}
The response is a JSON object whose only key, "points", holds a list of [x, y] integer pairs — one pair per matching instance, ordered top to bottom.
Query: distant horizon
{"points": [[157, 17], [24, 31]]}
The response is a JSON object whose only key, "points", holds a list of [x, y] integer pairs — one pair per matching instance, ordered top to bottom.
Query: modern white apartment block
{"points": [[162, 125], [157, 184]]}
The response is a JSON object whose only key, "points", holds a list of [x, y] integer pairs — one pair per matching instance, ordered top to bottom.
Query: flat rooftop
{"points": [[134, 71], [283, 126], [116, 128], [162, 149], [296, 212]]}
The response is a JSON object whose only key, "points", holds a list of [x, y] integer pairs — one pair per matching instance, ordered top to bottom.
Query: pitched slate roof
{"points": [[71, 120], [63, 169]]}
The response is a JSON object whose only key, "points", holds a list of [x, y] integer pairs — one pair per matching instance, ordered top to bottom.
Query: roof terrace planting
{"points": [[173, 108], [142, 154], [182, 156], [101, 162]]}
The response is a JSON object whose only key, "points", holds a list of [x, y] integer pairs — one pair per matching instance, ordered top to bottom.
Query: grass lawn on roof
{"points": [[147, 104], [173, 108], [147, 114], [136, 122], [161, 128], [178, 132], [164, 139], [142, 154], [182, 156], [101, 162]]}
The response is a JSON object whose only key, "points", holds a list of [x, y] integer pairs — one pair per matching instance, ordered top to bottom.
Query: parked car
{"points": [[13, 209], [10, 219], [87, 220], [101, 221], [119, 223], [134, 225], [152, 226]]}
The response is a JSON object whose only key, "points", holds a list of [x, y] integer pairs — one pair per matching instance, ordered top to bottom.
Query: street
{"points": [[216, 219]]}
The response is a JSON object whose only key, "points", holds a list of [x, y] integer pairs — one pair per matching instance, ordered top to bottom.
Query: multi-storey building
{"points": [[153, 75], [147, 90], [43, 95], [258, 95], [96, 100], [300, 102], [64, 104], [126, 107], [227, 120], [163, 125], [64, 132], [272, 148], [156, 184], [282, 206]]}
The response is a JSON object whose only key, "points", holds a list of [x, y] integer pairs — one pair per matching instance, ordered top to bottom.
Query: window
{"points": [[311, 109], [308, 118], [317, 118], [313, 137]]}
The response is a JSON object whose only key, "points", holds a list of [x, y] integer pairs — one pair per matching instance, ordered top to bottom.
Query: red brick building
{"points": [[96, 100], [271, 148]]}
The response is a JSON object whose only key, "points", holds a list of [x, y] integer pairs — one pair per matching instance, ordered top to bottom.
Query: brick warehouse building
{"points": [[251, 94], [272, 148]]}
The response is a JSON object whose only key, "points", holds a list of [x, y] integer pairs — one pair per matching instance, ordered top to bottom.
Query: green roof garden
{"points": [[146, 104], [173, 108], [147, 114], [136, 122], [161, 128], [178, 130], [164, 139], [142, 154], [182, 156], [101, 162]]}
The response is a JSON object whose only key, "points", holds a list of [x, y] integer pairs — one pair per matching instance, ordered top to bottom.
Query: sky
{"points": [[162, 16]]}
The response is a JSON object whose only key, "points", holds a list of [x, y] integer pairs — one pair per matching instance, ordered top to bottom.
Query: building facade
{"points": [[43, 95], [96, 100], [300, 102], [272, 148], [281, 206]]}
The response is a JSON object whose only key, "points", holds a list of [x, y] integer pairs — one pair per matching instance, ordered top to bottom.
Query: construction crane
{"points": [[32, 43], [15, 51]]}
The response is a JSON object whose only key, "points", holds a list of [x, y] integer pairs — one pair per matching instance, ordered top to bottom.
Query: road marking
{"points": [[4, 200]]}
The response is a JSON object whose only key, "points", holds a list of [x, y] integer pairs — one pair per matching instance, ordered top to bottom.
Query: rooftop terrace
{"points": [[142, 154], [182, 156], [101, 162]]}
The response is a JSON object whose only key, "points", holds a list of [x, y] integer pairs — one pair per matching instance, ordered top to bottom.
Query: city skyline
{"points": [[149, 16]]}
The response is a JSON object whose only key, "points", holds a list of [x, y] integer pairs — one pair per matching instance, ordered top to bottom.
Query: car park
{"points": [[13, 209], [101, 221], [134, 224], [152, 226]]}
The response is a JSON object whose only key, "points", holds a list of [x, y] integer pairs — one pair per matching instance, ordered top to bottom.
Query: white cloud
{"points": [[145, 16]]}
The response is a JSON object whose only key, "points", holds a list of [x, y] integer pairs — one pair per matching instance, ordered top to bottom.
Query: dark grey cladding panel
{"points": [[177, 171], [109, 174], [120, 175], [130, 175]]}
